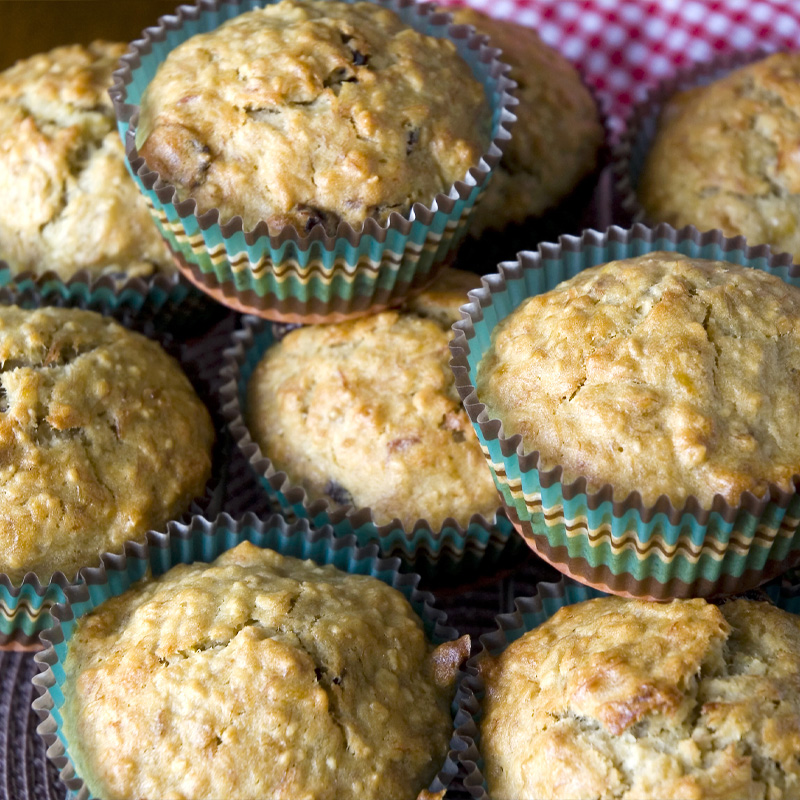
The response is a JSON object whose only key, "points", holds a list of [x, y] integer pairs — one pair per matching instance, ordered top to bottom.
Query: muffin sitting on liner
{"points": [[313, 112], [556, 139], [726, 156], [68, 201], [662, 375], [366, 413], [102, 438], [257, 676], [632, 700]]}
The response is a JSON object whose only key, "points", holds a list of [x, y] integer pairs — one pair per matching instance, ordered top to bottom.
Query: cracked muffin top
{"points": [[311, 112], [557, 137], [727, 156], [68, 201], [659, 374], [366, 412], [102, 438], [257, 676], [633, 700]]}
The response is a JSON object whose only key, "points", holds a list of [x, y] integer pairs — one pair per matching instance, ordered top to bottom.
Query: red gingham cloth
{"points": [[623, 47]]}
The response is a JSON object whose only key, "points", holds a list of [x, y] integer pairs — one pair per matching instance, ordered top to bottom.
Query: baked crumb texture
{"points": [[310, 112], [557, 136], [725, 156], [68, 201], [658, 374], [366, 413], [102, 437], [256, 676], [629, 700]]}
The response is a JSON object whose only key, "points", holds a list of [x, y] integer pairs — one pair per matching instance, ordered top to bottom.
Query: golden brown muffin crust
{"points": [[307, 111], [556, 139], [726, 156], [68, 201], [660, 374], [367, 412], [101, 439], [258, 676], [634, 700]]}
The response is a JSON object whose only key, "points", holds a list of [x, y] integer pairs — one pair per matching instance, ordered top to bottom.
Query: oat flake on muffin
{"points": [[309, 112], [68, 201], [102, 438], [257, 676]]}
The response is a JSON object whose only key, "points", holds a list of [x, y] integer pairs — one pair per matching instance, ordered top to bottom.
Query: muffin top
{"points": [[309, 112], [557, 136], [726, 156], [68, 201], [661, 374], [366, 412], [102, 438], [257, 676], [625, 699]]}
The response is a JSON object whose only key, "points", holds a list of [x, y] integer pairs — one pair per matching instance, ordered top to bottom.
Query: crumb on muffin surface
{"points": [[309, 112], [256, 676]]}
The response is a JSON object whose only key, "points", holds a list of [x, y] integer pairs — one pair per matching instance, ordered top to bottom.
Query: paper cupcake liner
{"points": [[631, 151], [292, 277], [203, 540], [623, 546], [452, 550], [24, 607], [529, 613]]}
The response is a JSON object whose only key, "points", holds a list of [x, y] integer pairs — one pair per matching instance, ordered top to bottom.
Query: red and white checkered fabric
{"points": [[623, 47]]}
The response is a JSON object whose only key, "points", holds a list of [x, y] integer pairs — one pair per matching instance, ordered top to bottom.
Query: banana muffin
{"points": [[313, 112], [557, 137], [726, 156], [68, 201], [660, 374], [366, 412], [102, 438], [257, 676], [634, 700]]}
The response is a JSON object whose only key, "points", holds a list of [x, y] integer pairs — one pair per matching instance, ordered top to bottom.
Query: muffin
{"points": [[309, 113], [557, 137], [725, 156], [68, 201], [662, 374], [366, 413], [102, 438], [321, 682], [627, 699]]}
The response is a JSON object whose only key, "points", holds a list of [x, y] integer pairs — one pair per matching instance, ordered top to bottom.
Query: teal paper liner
{"points": [[629, 155], [291, 276], [143, 306], [204, 540], [623, 546], [450, 552], [530, 613]]}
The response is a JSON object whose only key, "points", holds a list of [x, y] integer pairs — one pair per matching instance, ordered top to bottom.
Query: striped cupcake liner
{"points": [[631, 151], [293, 277], [204, 540], [623, 546], [453, 550], [25, 606], [529, 613]]}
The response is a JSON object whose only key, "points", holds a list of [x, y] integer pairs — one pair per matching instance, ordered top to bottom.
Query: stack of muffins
{"points": [[318, 163]]}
